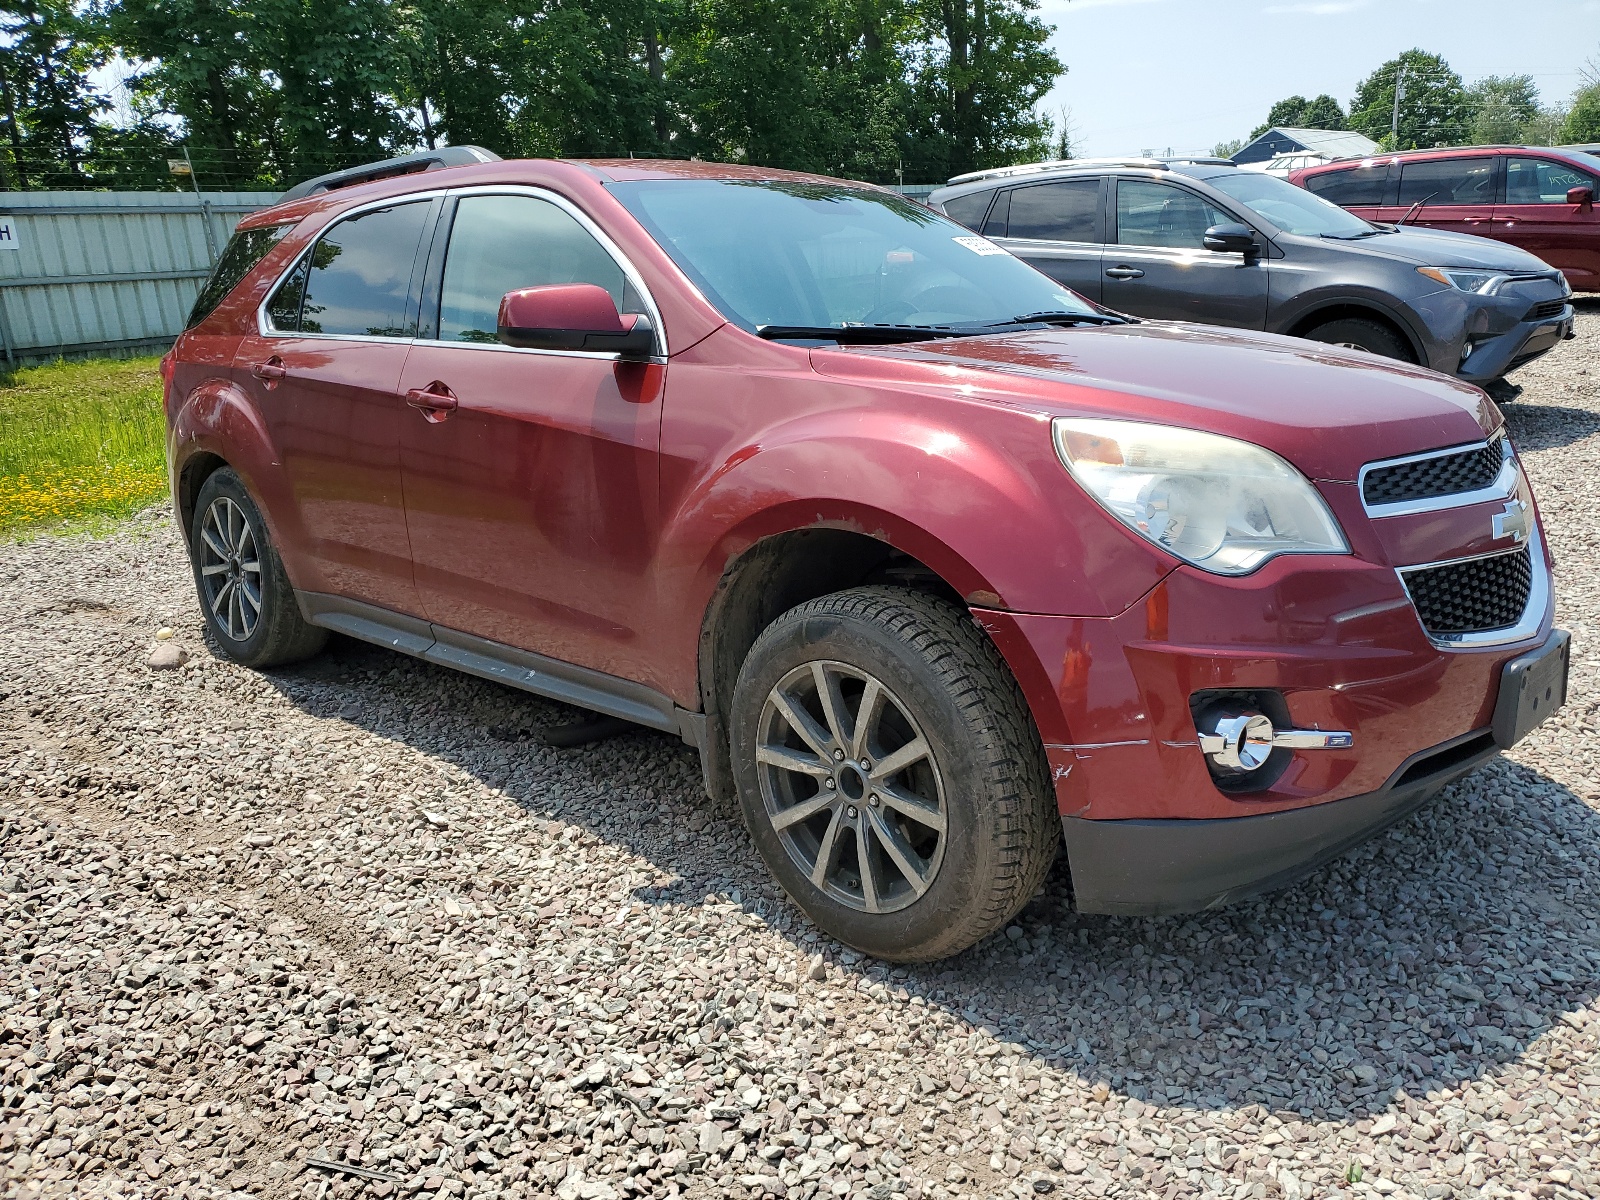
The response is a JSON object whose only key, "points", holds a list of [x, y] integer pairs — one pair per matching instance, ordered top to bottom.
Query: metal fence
{"points": [[106, 272]]}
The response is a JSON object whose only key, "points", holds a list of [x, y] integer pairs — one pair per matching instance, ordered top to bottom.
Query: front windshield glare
{"points": [[1291, 209], [770, 253]]}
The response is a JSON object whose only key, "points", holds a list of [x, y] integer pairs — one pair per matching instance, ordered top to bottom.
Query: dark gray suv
{"points": [[1202, 240]]}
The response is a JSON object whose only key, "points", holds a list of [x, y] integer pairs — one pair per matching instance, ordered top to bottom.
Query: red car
{"points": [[1539, 199], [937, 565]]}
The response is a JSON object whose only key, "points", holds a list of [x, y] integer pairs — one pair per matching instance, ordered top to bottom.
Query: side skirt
{"points": [[523, 669]]}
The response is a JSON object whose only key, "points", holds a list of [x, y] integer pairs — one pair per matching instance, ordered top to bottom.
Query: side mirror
{"points": [[1581, 196], [1232, 238], [573, 316]]}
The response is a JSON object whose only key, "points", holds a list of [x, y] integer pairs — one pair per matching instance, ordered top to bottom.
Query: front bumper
{"points": [[1491, 357], [1152, 868]]}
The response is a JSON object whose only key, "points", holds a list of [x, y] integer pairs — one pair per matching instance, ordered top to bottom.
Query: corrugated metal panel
{"points": [[107, 270]]}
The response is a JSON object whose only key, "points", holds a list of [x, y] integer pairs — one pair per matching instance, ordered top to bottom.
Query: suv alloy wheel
{"points": [[245, 594], [890, 774]]}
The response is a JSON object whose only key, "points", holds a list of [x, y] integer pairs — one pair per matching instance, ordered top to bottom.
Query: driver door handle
{"points": [[1124, 273], [435, 402]]}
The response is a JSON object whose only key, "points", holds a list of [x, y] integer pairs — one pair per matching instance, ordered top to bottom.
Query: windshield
{"points": [[1291, 209], [779, 254]]}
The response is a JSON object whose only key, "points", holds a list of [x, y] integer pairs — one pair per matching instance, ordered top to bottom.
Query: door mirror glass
{"points": [[1231, 238], [572, 316]]}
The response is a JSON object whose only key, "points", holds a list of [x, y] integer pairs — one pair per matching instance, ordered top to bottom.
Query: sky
{"points": [[1187, 74]]}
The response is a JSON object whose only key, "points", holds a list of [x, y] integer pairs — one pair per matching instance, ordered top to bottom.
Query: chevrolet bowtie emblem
{"points": [[1513, 522]]}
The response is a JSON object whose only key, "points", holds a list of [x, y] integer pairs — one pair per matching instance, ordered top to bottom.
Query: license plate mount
{"points": [[1532, 687]]}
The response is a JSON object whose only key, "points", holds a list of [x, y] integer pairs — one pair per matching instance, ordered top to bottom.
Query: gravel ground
{"points": [[350, 912]]}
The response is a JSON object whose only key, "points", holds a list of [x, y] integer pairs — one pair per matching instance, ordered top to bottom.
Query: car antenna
{"points": [[1412, 211]]}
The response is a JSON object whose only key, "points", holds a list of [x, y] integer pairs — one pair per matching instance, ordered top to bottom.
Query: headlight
{"points": [[1464, 280], [1224, 505]]}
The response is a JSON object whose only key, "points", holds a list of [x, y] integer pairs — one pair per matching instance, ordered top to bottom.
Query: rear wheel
{"points": [[1359, 333], [244, 591], [890, 774]]}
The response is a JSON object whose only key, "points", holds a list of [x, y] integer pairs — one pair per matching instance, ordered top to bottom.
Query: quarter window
{"points": [[1447, 181], [1540, 181], [1357, 187], [968, 209], [1068, 211], [1157, 214], [499, 244], [244, 250], [358, 281]]}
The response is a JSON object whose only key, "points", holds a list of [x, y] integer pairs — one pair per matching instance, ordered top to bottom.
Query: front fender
{"points": [[1304, 307]]}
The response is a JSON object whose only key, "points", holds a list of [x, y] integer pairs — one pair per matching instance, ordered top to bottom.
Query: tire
{"points": [[1358, 333], [251, 613], [937, 680]]}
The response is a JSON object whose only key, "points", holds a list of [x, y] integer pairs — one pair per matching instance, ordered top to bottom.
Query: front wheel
{"points": [[1358, 333], [245, 594], [890, 774]]}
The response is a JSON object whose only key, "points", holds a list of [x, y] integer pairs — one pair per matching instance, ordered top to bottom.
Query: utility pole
{"points": [[1394, 119], [205, 208]]}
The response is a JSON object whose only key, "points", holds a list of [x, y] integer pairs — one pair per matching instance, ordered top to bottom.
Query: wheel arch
{"points": [[1338, 309], [773, 574]]}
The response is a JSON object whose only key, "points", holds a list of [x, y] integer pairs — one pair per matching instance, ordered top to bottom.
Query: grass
{"points": [[80, 442]]}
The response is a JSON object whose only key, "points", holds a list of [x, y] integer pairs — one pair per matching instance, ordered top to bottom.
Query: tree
{"points": [[47, 103], [1503, 107], [1433, 109], [1296, 112], [1583, 121], [1228, 148]]}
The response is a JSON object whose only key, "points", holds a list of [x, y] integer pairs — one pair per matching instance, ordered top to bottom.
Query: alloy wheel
{"points": [[230, 569], [851, 787]]}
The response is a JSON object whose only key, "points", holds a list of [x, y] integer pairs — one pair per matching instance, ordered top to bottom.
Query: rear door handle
{"points": [[1124, 273], [272, 369], [435, 402]]}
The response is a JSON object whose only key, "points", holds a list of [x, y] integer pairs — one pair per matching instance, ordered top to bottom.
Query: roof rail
{"points": [[1067, 164], [389, 168]]}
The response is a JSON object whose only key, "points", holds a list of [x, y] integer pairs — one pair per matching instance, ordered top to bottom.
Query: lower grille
{"points": [[1547, 308], [1444, 474], [1475, 595]]}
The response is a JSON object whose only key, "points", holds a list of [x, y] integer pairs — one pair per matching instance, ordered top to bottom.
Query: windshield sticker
{"points": [[978, 245]]}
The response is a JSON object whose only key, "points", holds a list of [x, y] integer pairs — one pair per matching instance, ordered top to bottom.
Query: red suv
{"points": [[1539, 199], [933, 562]]}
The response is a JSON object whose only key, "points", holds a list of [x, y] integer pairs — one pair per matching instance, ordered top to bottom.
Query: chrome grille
{"points": [[1446, 474], [1475, 595]]}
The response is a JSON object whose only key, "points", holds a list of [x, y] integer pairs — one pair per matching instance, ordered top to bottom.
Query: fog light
{"points": [[1241, 742]]}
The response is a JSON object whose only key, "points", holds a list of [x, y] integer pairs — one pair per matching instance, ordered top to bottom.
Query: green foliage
{"points": [[47, 106], [1434, 107], [1503, 107], [1297, 112], [1583, 121], [1228, 148], [80, 439]]}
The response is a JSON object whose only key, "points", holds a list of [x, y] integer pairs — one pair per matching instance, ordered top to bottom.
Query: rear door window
{"points": [[1447, 181], [1542, 181], [1358, 187], [969, 209], [1068, 211], [1158, 214], [499, 244], [245, 249], [358, 278]]}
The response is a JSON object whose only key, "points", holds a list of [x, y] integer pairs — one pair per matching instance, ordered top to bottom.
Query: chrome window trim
{"points": [[264, 327], [663, 352], [1503, 487], [1533, 614]]}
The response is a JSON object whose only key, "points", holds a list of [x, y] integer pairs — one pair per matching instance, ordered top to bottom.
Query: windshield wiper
{"points": [[1356, 237], [1062, 318], [860, 334]]}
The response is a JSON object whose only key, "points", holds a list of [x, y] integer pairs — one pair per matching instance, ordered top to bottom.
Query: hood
{"points": [[1441, 248], [1326, 410]]}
